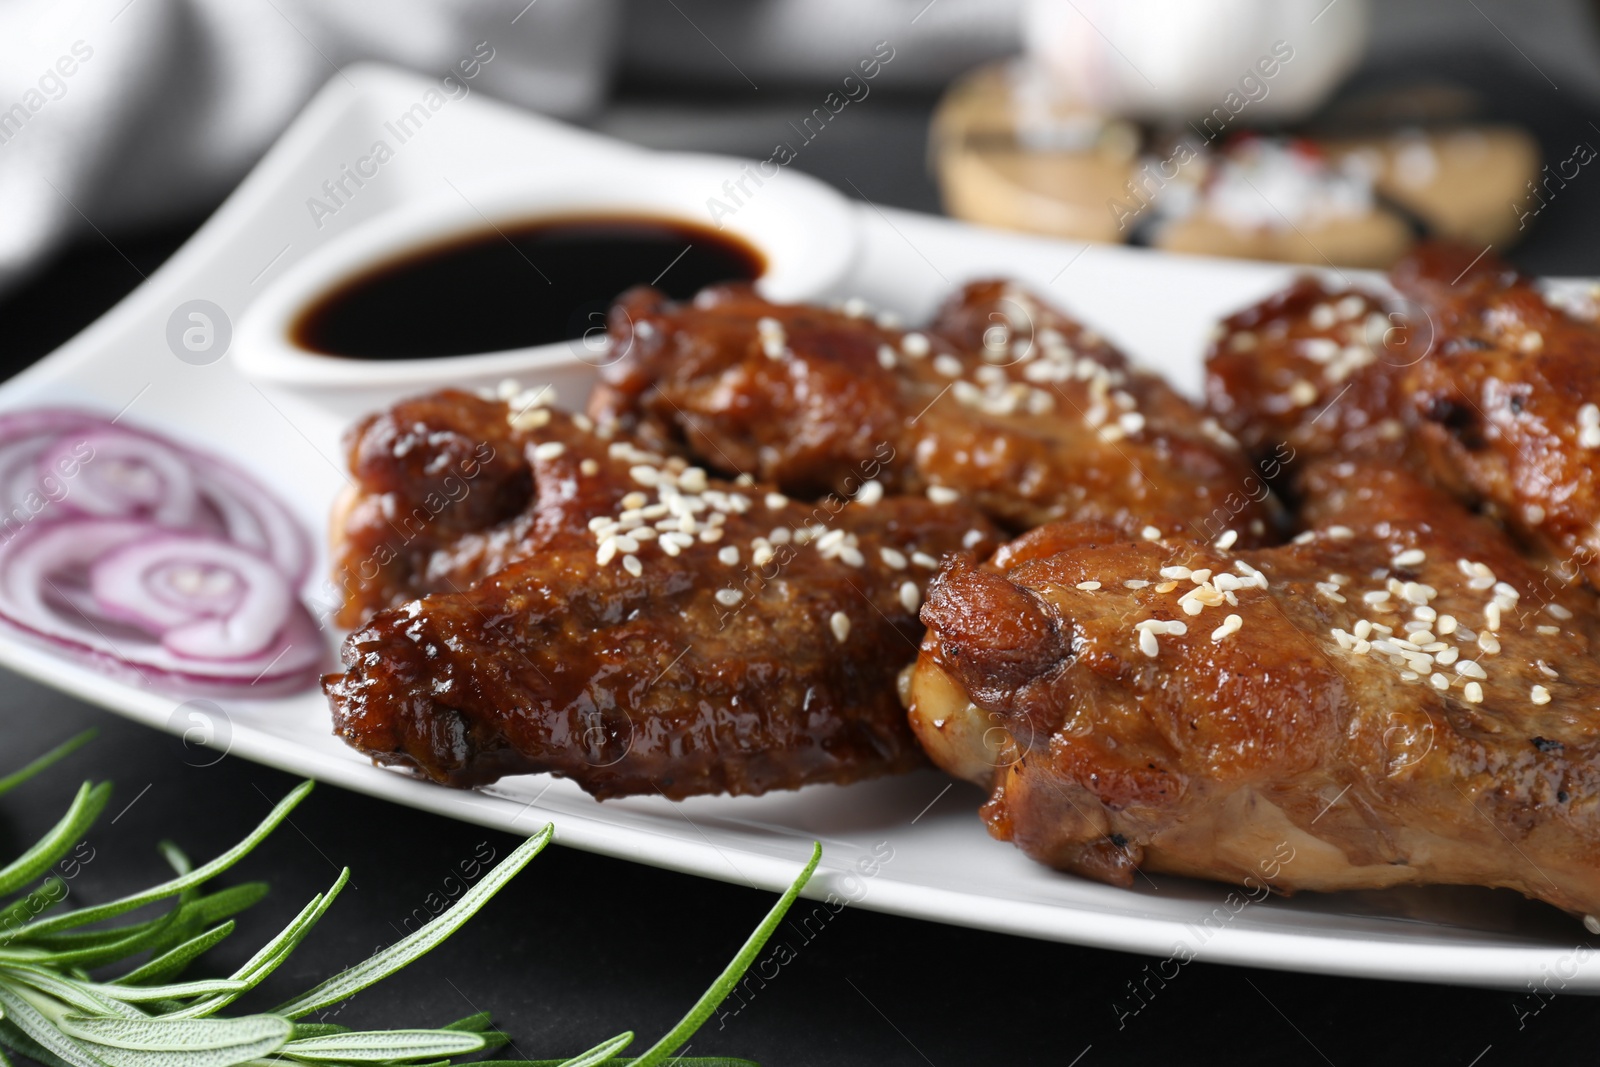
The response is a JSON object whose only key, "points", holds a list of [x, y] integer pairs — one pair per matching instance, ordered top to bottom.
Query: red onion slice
{"points": [[48, 470], [130, 476], [69, 582], [205, 599]]}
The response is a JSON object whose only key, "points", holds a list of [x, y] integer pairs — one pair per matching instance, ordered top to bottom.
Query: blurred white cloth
{"points": [[120, 111]]}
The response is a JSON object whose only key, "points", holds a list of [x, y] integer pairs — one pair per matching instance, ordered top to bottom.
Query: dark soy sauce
{"points": [[526, 284]]}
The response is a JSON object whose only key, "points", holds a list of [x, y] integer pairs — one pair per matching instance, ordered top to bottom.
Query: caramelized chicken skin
{"points": [[1482, 386], [1003, 402], [637, 626], [1398, 696]]}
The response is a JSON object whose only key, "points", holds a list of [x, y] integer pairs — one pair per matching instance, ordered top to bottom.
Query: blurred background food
{"points": [[1206, 127], [1322, 131]]}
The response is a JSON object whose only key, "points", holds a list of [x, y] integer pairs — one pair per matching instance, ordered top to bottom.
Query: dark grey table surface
{"points": [[580, 947]]}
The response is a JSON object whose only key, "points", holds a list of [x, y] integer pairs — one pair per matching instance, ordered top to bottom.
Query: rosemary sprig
{"points": [[53, 1011]]}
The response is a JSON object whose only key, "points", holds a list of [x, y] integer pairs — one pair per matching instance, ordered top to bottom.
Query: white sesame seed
{"points": [[1323, 317], [915, 345], [886, 357], [947, 365], [1302, 393], [529, 419], [1131, 422], [1589, 437], [549, 450], [589, 467], [871, 492], [942, 494], [776, 500], [1150, 533], [1340, 533], [1305, 538], [1228, 539], [608, 549], [728, 554], [893, 558], [1410, 558], [922, 559], [632, 565], [1177, 571], [1135, 583], [1088, 586], [910, 596], [1377, 596], [729, 597], [1558, 611], [839, 622], [1230, 625], [1446, 626], [1363, 628], [1549, 631], [1489, 643], [1148, 644], [1447, 656], [1469, 669], [1438, 681], [1473, 692], [1539, 695]]}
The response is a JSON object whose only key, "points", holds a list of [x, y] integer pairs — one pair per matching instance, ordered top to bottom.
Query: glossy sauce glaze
{"points": [[533, 283]]}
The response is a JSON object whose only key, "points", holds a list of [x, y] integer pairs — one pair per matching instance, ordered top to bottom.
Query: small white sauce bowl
{"points": [[806, 233]]}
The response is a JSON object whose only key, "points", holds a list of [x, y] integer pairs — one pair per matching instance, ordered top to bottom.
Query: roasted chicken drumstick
{"points": [[1482, 385], [1003, 402], [618, 617], [1397, 696]]}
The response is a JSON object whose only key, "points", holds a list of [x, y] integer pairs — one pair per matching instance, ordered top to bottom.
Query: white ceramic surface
{"points": [[805, 231], [943, 867]]}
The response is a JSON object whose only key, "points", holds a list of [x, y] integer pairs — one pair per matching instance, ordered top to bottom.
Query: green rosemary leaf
{"points": [[60, 752], [86, 807], [176, 857], [172, 888], [51, 892], [201, 912], [274, 952], [92, 956], [176, 959], [347, 983], [68, 992], [144, 994], [480, 1021], [33, 1024], [317, 1030], [680, 1034], [178, 1042], [23, 1045], [383, 1046], [602, 1052], [626, 1061]]}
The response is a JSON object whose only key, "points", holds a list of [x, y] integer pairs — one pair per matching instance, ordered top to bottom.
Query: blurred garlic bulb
{"points": [[1160, 59]]}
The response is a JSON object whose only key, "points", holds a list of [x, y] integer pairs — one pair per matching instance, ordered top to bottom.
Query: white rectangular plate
{"points": [[944, 866]]}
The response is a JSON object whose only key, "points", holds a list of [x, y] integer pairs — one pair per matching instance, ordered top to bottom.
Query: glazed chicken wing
{"points": [[1482, 386], [1003, 402], [624, 620], [1395, 698]]}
